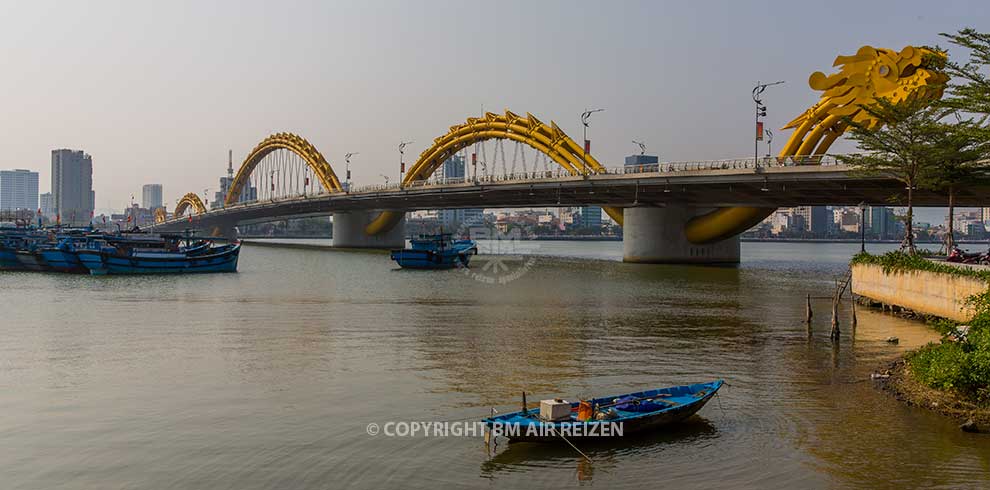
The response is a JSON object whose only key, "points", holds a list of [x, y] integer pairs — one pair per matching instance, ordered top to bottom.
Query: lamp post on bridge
{"points": [[761, 111], [585, 116], [402, 163], [347, 171]]}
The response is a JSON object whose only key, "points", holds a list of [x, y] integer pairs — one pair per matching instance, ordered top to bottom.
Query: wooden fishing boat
{"points": [[435, 252], [119, 260], [610, 416]]}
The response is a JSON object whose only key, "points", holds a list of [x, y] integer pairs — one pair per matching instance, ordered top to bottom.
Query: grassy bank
{"points": [[959, 365]]}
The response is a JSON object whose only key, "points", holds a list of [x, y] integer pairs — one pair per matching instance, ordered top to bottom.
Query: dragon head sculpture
{"points": [[870, 74]]}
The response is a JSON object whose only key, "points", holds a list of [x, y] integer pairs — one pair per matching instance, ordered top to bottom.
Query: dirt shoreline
{"points": [[895, 378]]}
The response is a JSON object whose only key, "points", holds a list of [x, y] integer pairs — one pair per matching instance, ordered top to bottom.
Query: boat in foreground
{"points": [[435, 252], [119, 260], [609, 416]]}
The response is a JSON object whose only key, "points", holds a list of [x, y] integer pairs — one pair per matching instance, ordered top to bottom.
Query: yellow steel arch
{"points": [[870, 74], [548, 139], [294, 143], [190, 200], [160, 215]]}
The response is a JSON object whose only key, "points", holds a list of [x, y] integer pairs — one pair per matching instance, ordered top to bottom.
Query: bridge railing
{"points": [[661, 168], [549, 174]]}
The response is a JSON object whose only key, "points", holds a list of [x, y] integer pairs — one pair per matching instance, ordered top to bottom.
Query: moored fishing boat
{"points": [[435, 252], [107, 258], [609, 416]]}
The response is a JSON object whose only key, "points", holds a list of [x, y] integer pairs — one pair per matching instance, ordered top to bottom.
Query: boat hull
{"points": [[428, 259], [8, 260], [31, 261], [62, 261], [101, 262], [684, 401]]}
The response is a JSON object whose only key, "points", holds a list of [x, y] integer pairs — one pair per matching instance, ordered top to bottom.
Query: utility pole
{"points": [[761, 111], [585, 116], [402, 163], [347, 170]]}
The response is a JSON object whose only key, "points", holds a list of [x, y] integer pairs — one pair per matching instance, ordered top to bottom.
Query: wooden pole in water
{"points": [[807, 310], [853, 320], [834, 334], [524, 403]]}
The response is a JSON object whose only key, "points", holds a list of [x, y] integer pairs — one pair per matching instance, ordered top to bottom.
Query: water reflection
{"points": [[268, 378], [605, 454]]}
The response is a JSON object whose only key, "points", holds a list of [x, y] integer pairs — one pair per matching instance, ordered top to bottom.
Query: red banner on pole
{"points": [[759, 131], [587, 146]]}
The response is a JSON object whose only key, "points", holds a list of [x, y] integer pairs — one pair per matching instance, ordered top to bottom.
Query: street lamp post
{"points": [[761, 111], [585, 116], [402, 163], [347, 171], [862, 227]]}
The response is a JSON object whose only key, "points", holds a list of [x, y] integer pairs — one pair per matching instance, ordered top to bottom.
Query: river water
{"points": [[270, 377]]}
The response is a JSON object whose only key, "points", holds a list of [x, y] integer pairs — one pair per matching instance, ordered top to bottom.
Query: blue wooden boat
{"points": [[435, 252], [8, 259], [117, 259], [636, 412]]}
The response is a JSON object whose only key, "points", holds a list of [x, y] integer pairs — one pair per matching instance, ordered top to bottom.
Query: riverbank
{"points": [[951, 377], [897, 380]]}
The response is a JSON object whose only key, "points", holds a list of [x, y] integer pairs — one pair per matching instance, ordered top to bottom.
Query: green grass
{"points": [[964, 366]]}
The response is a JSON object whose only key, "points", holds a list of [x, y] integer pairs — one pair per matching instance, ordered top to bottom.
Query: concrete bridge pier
{"points": [[228, 231], [348, 231], [655, 235]]}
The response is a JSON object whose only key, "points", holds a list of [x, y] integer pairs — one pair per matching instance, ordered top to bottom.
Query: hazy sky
{"points": [[158, 91]]}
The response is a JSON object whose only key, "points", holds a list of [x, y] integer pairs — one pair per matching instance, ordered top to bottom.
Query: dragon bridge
{"points": [[870, 74]]}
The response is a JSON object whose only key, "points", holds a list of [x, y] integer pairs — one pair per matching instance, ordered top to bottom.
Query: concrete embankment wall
{"points": [[932, 293]]}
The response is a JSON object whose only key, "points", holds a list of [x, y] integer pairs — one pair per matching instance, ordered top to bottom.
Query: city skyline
{"points": [[346, 89]]}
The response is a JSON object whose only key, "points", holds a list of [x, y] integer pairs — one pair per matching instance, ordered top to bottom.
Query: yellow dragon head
{"points": [[870, 74]]}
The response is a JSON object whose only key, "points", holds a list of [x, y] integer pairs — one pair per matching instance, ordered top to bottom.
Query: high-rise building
{"points": [[72, 186], [18, 189], [249, 192], [151, 196], [47, 205], [591, 217], [453, 219], [816, 219], [880, 222]]}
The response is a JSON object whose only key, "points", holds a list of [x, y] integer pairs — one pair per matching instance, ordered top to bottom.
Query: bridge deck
{"points": [[774, 186]]}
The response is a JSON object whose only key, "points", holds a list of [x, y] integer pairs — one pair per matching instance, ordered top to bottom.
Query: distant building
{"points": [[640, 163], [72, 186], [18, 189], [249, 193], [151, 196], [47, 205], [138, 216], [591, 217], [453, 219], [815, 219], [847, 219], [880, 222]]}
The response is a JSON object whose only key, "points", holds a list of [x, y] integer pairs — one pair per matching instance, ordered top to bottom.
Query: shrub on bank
{"points": [[960, 363]]}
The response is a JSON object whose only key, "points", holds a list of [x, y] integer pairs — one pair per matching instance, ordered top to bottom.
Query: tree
{"points": [[972, 93], [898, 142], [958, 149]]}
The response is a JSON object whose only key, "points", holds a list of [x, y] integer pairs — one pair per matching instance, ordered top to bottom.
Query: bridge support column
{"points": [[227, 231], [348, 231], [653, 235]]}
